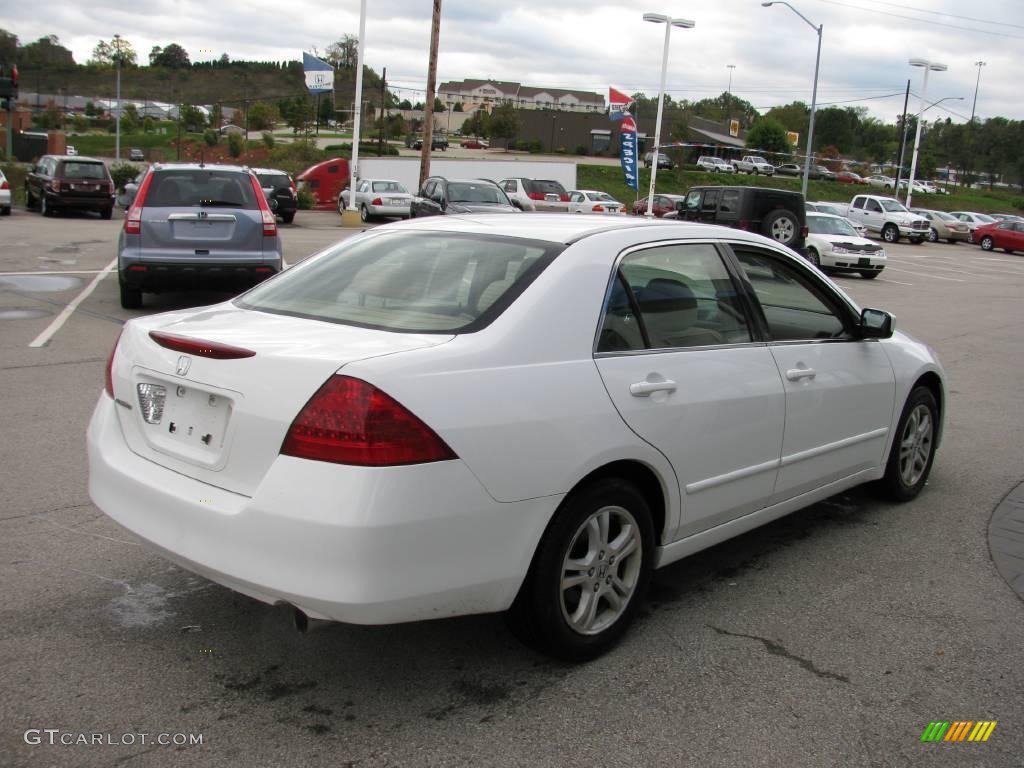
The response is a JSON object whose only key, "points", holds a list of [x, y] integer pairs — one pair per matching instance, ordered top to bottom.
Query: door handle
{"points": [[795, 374], [645, 388]]}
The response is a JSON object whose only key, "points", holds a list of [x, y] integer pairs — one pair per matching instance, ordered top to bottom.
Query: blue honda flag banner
{"points": [[319, 74], [628, 144]]}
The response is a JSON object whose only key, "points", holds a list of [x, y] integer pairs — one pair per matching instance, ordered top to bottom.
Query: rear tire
{"points": [[6, 211], [106, 213], [364, 214], [288, 218], [782, 226], [890, 233], [916, 240], [987, 243], [870, 275], [131, 296], [913, 448], [589, 574]]}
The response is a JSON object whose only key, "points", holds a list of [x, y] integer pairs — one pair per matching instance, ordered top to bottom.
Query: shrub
{"points": [[210, 137], [268, 139], [235, 145], [581, 150], [122, 173], [304, 200]]}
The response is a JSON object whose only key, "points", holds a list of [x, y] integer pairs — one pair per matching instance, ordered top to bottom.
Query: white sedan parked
{"points": [[5, 195], [378, 197], [593, 201], [834, 245], [461, 415]]}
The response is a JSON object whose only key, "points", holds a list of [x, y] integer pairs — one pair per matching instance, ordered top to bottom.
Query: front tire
{"points": [[44, 208], [890, 233], [933, 235], [916, 240], [987, 243], [815, 259], [870, 275], [913, 448], [589, 574]]}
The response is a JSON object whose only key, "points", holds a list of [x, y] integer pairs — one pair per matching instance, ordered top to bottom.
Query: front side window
{"points": [[693, 200], [873, 206], [411, 282], [684, 297], [794, 308]]}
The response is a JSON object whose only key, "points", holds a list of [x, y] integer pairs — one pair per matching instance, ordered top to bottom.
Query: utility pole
{"points": [[977, 82], [383, 96], [428, 111], [903, 143]]}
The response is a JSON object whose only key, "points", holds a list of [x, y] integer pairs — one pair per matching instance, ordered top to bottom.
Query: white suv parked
{"points": [[714, 164], [887, 218]]}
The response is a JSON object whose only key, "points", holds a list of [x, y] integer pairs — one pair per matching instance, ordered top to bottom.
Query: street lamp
{"points": [[669, 22], [979, 65], [927, 66], [730, 67], [814, 91], [906, 128]]}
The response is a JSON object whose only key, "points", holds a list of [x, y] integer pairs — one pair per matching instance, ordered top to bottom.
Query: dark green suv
{"points": [[59, 182]]}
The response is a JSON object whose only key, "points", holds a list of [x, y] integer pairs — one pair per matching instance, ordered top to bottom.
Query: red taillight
{"points": [[4, 184], [535, 195], [564, 198], [377, 201], [598, 208], [133, 218], [269, 222], [803, 231], [199, 347], [109, 376], [349, 421]]}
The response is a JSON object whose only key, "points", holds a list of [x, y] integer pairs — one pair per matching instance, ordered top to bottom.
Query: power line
{"points": [[943, 13], [923, 21]]}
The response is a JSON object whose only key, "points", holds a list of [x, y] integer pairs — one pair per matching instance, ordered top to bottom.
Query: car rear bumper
{"points": [[96, 203], [388, 210], [155, 276], [353, 544]]}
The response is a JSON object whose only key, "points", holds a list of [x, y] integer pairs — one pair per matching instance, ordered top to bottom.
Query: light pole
{"points": [[669, 22], [979, 65], [928, 66], [814, 91], [728, 94]]}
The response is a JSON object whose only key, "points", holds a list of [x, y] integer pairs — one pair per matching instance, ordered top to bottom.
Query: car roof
{"points": [[76, 158], [199, 167], [269, 170], [565, 227]]}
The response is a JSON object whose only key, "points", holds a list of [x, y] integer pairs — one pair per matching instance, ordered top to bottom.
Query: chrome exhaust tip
{"points": [[304, 624]]}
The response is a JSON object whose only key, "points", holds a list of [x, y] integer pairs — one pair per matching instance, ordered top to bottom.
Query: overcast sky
{"points": [[593, 44]]}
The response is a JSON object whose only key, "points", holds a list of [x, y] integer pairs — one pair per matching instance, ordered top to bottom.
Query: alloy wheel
{"points": [[916, 445], [601, 570]]}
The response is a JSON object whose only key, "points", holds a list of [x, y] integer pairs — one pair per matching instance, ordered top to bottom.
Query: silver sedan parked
{"points": [[378, 197]]}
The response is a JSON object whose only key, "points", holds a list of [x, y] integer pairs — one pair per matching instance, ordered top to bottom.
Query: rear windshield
{"points": [[76, 170], [274, 180], [389, 186], [545, 186], [173, 188], [467, 192], [984, 217], [408, 281]]}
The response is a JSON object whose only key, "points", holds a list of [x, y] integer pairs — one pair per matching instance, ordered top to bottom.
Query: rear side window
{"points": [[75, 170], [175, 188], [730, 201], [411, 282]]}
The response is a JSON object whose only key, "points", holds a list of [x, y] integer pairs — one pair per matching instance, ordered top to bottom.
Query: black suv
{"points": [[437, 141], [70, 181], [279, 190], [442, 196], [775, 213]]}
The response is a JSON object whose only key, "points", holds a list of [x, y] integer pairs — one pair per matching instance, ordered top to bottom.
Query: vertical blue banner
{"points": [[628, 151]]}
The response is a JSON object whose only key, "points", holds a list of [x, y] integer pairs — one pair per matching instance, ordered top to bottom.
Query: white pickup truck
{"points": [[754, 164], [887, 218]]}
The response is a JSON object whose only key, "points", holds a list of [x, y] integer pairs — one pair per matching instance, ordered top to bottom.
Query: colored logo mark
{"points": [[959, 730]]}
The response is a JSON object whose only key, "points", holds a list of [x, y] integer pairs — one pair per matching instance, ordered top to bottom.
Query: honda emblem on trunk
{"points": [[183, 365]]}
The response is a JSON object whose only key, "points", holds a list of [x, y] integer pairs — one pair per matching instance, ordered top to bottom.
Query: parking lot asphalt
{"points": [[831, 637]]}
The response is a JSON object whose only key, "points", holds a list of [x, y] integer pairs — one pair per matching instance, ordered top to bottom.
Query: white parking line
{"points": [[62, 272], [925, 274], [887, 280], [44, 337]]}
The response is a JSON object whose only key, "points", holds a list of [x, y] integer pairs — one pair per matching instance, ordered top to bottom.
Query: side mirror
{"points": [[876, 324]]}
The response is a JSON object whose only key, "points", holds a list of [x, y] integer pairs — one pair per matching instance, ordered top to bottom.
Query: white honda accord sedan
{"points": [[468, 414]]}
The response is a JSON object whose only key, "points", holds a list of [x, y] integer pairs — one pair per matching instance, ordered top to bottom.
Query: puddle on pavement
{"points": [[41, 283], [22, 314]]}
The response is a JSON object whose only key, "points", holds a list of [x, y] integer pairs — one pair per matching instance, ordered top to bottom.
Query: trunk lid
{"points": [[222, 421]]}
